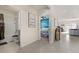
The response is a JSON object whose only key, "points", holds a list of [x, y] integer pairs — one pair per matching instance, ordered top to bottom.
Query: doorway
{"points": [[1, 27], [44, 28], [9, 32]]}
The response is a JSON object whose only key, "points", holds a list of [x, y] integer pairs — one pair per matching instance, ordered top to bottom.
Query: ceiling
{"points": [[39, 7], [8, 8], [16, 8], [59, 11], [65, 11]]}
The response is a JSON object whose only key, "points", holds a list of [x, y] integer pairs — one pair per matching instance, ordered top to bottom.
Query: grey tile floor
{"points": [[67, 44], [9, 48]]}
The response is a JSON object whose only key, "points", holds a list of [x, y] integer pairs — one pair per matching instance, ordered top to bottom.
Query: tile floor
{"points": [[67, 44], [9, 48]]}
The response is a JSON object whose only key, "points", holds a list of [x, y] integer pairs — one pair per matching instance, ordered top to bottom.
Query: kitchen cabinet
{"points": [[74, 32]]}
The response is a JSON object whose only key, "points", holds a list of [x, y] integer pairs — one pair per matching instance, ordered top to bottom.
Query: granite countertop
{"points": [[74, 29]]}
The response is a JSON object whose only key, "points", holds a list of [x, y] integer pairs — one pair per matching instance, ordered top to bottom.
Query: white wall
{"points": [[9, 19], [70, 21], [52, 28], [27, 35]]}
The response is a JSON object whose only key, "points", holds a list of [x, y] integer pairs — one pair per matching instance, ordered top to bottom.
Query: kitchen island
{"points": [[74, 32]]}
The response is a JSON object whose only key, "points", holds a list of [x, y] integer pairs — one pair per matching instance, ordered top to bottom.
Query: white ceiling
{"points": [[24, 7], [39, 7], [8, 8], [16, 8], [61, 11], [66, 11]]}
